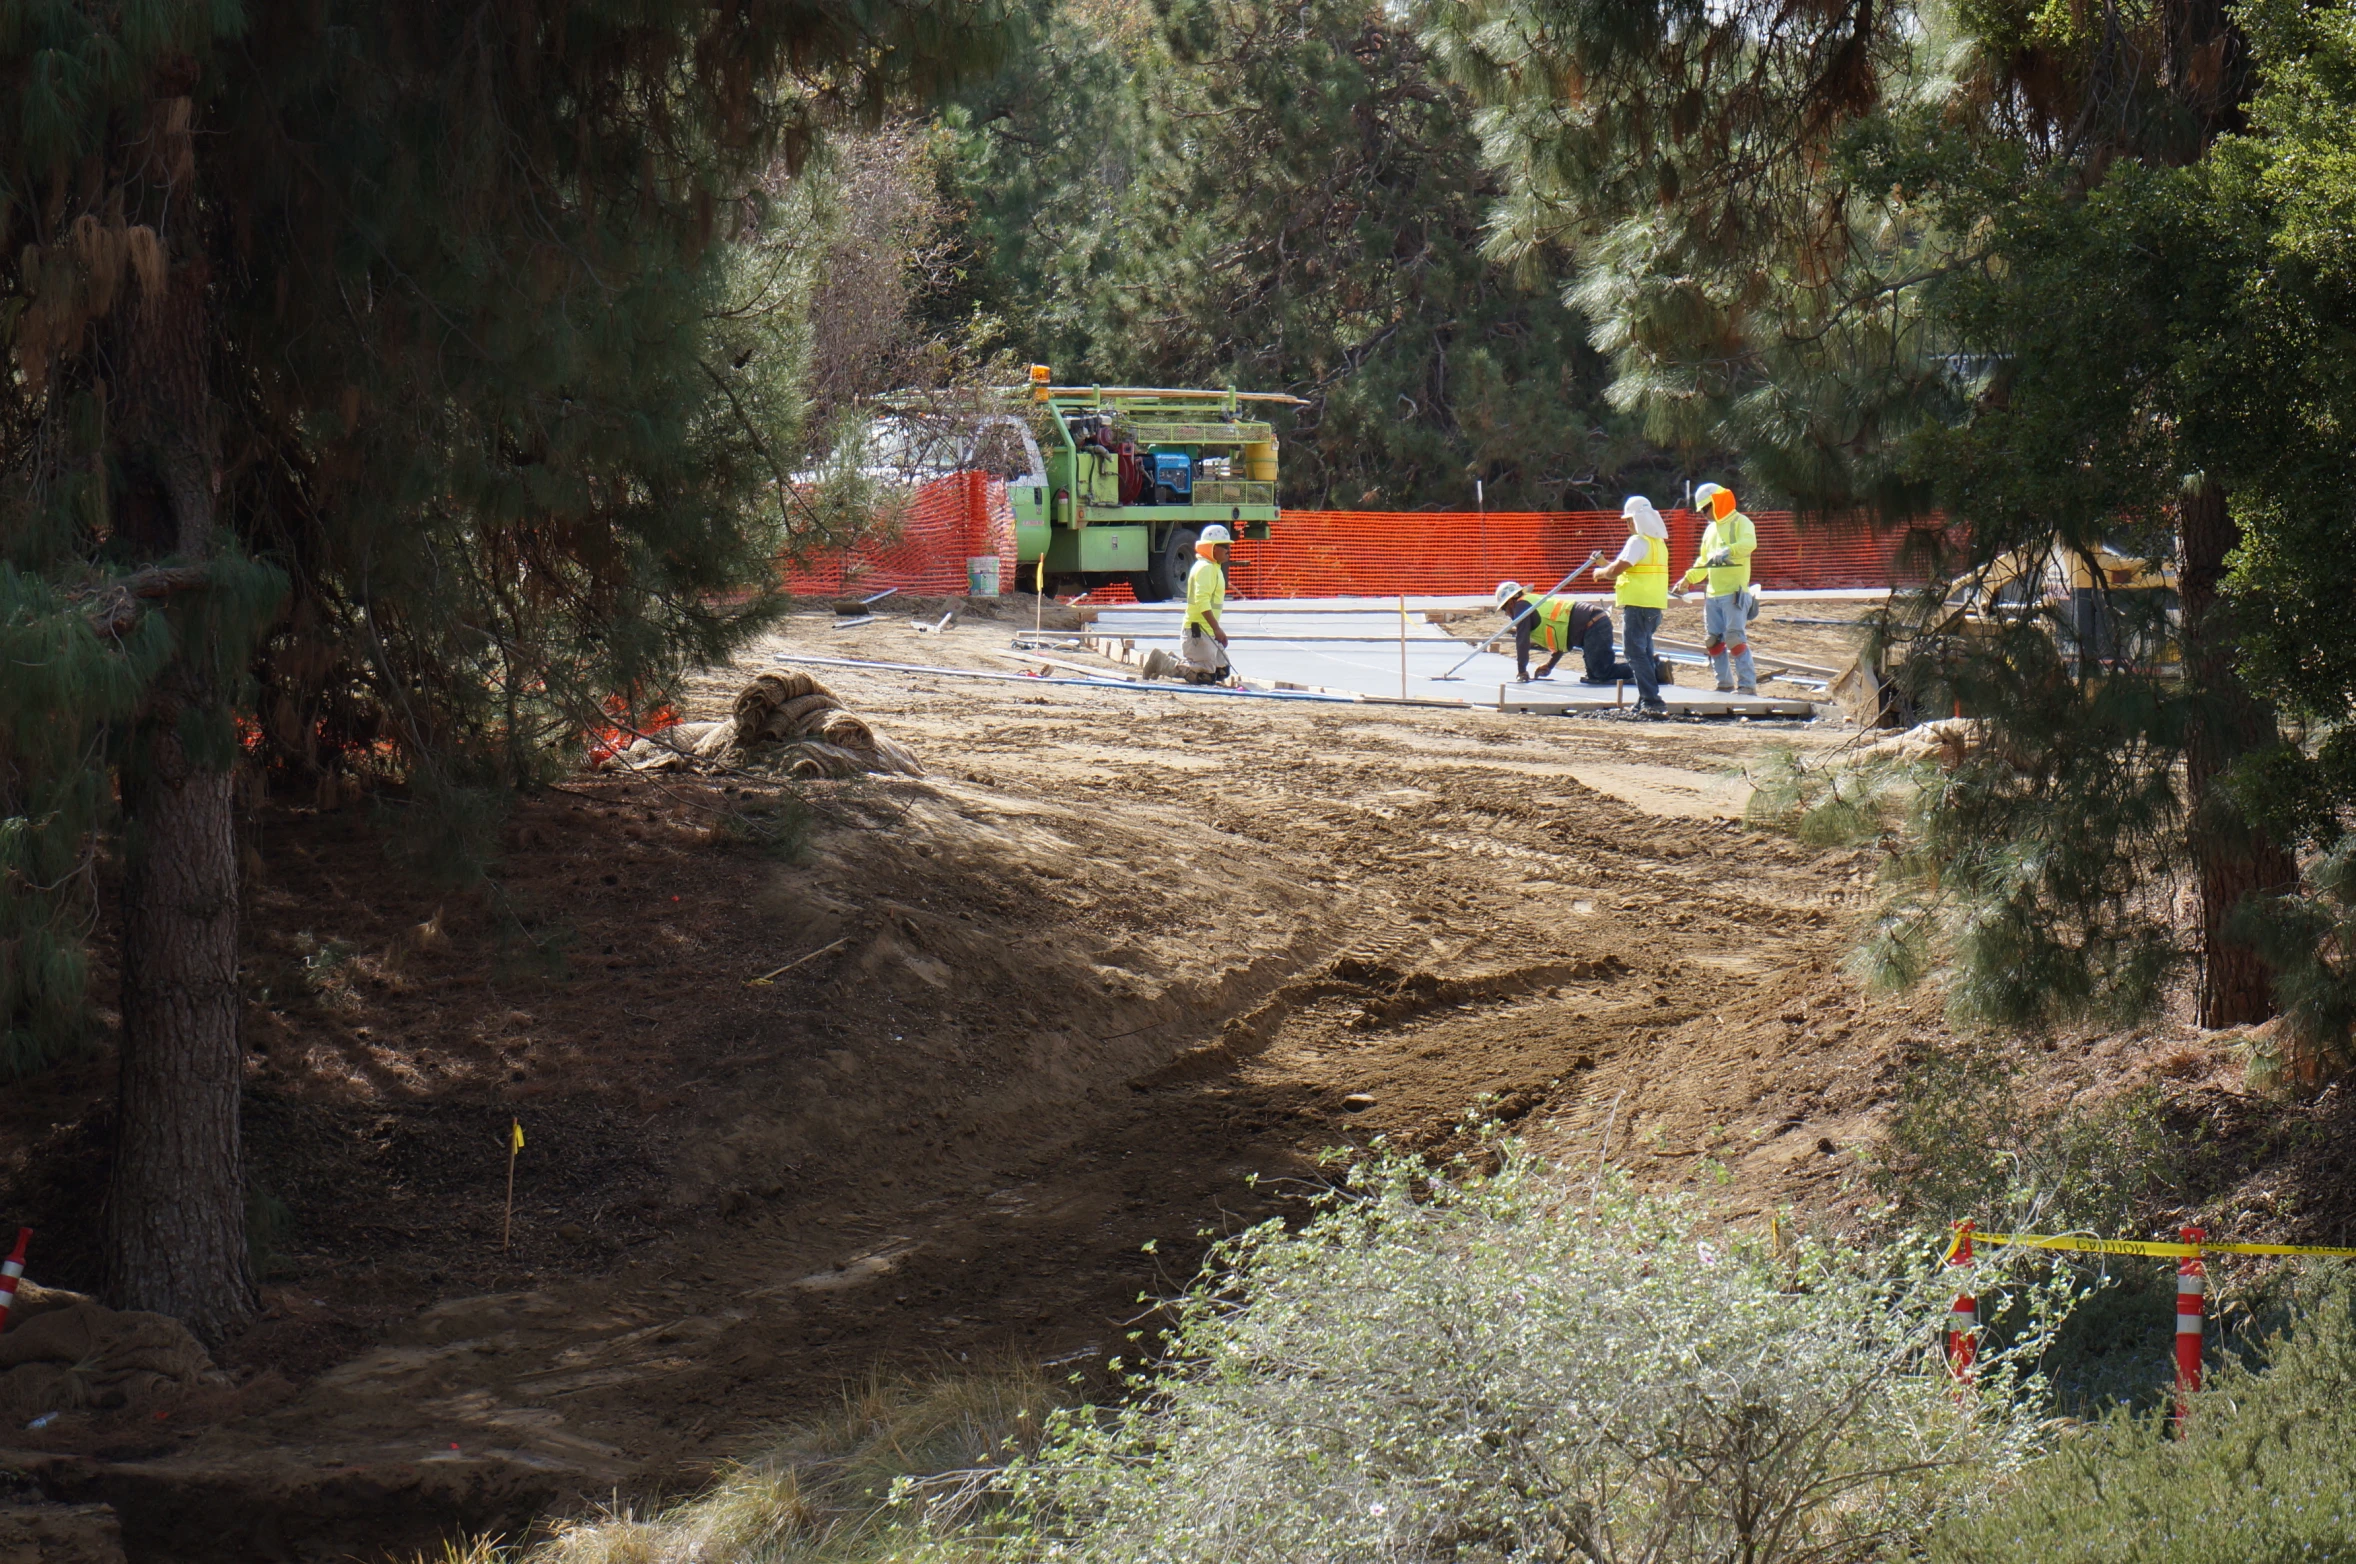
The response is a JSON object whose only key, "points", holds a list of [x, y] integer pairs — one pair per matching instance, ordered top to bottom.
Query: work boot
{"points": [[1726, 686], [1747, 689]]}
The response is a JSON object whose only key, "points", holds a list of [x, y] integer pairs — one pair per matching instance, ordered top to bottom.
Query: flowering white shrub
{"points": [[1502, 1368]]}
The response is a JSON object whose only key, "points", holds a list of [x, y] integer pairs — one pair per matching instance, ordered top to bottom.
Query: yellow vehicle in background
{"points": [[2103, 600]]}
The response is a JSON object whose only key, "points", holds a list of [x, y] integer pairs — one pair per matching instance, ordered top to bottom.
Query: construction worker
{"points": [[1724, 562], [1640, 585], [1556, 624], [1202, 645]]}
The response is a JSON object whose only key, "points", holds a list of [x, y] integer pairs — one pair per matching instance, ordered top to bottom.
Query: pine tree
{"points": [[1287, 197], [2282, 202], [1918, 257], [366, 349]]}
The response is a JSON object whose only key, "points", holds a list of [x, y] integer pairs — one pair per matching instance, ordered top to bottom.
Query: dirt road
{"points": [[1117, 970]]}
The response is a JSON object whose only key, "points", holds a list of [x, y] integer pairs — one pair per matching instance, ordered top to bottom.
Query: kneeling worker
{"points": [[1724, 562], [1556, 624], [1202, 645]]}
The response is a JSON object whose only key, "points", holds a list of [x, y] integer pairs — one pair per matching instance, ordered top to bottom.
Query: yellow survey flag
{"points": [[515, 1143]]}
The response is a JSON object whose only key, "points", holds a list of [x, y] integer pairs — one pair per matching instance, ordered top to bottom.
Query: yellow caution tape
{"points": [[2138, 1246]]}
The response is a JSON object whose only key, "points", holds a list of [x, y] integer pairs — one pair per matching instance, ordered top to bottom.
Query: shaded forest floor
{"points": [[1119, 969]]}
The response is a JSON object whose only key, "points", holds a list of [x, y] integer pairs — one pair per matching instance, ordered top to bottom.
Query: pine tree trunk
{"points": [[2232, 859], [175, 1220], [175, 1234]]}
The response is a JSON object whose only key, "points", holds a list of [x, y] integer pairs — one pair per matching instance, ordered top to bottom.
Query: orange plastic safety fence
{"points": [[950, 521], [1341, 553], [1450, 553]]}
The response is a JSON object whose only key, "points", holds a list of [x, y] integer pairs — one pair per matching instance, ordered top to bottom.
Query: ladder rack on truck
{"points": [[1132, 474]]}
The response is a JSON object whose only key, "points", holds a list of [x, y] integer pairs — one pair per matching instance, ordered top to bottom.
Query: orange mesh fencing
{"points": [[949, 521], [1337, 553], [1348, 553]]}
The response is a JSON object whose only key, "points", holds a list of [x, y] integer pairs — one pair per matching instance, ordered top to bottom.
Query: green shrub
{"points": [[1967, 1142], [1500, 1368], [2266, 1469]]}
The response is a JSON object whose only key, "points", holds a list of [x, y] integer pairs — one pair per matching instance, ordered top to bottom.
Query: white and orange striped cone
{"points": [[14, 1268], [2192, 1286], [1963, 1318]]}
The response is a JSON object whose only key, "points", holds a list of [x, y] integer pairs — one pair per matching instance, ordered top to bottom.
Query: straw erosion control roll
{"points": [[785, 722]]}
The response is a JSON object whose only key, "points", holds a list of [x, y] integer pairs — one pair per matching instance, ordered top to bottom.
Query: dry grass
{"points": [[824, 1494]]}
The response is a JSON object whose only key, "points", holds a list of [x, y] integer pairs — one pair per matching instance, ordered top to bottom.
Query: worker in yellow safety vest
{"points": [[1723, 564], [1639, 575], [1556, 625], [1202, 645]]}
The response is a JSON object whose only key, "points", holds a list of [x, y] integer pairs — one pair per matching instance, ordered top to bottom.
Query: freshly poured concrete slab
{"points": [[1359, 646]]}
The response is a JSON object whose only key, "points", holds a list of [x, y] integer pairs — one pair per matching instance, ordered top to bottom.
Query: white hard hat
{"points": [[1215, 533], [1507, 591]]}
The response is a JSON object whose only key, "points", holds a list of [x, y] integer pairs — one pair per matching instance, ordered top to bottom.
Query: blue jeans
{"points": [[1726, 621], [1636, 631]]}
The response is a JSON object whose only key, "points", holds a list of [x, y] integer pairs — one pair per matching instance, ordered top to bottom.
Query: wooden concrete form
{"points": [[1681, 702]]}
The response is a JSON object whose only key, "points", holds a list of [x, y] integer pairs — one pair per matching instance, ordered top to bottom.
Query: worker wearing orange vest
{"points": [[1723, 563], [1640, 585], [1555, 625]]}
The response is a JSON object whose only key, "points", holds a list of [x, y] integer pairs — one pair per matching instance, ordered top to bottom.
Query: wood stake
{"points": [[767, 978]]}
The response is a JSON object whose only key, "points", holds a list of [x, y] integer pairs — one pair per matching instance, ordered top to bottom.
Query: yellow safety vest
{"points": [[1734, 533], [1645, 585], [1206, 592], [1552, 631]]}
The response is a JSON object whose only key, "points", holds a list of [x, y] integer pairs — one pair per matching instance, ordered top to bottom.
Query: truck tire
{"points": [[1165, 578]]}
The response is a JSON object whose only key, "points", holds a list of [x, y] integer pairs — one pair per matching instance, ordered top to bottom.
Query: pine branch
{"points": [[115, 607]]}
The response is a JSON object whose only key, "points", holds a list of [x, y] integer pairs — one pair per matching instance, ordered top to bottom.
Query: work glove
{"points": [[1724, 556]]}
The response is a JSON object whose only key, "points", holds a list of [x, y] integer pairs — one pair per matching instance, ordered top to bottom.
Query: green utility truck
{"points": [[1129, 476]]}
